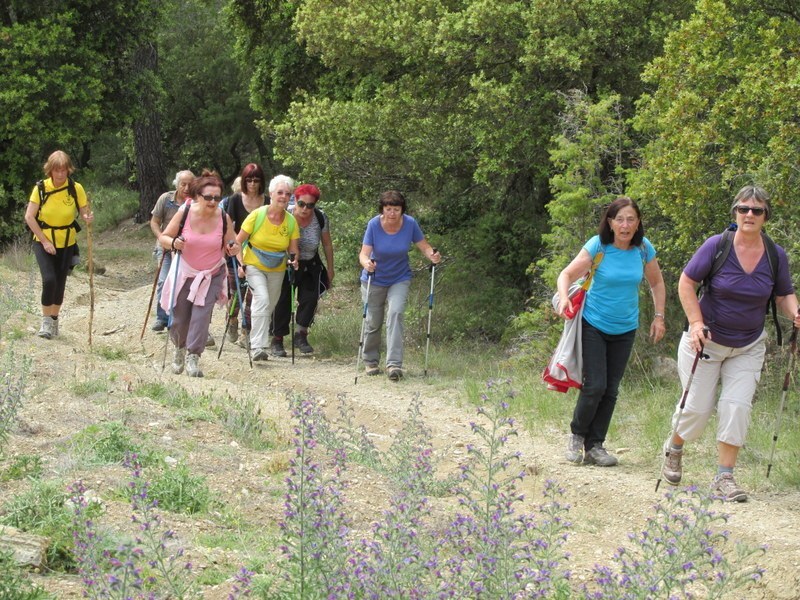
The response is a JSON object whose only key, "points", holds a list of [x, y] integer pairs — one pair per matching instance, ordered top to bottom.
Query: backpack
{"points": [[44, 196], [261, 214], [720, 256]]}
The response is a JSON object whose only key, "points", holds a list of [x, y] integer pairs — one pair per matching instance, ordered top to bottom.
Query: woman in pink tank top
{"points": [[196, 279]]}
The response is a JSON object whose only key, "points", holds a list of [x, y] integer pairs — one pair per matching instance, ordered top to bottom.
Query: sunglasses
{"points": [[252, 179], [210, 198], [303, 204], [756, 210]]}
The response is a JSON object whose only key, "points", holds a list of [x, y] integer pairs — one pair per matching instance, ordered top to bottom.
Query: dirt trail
{"points": [[606, 503]]}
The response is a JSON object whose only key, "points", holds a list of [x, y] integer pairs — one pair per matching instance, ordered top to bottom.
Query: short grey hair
{"points": [[179, 175], [278, 179], [236, 186], [752, 192]]}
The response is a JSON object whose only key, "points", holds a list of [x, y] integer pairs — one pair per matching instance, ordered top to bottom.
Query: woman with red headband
{"points": [[314, 228]]}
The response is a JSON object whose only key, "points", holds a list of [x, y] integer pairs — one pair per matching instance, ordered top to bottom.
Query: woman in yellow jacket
{"points": [[51, 216]]}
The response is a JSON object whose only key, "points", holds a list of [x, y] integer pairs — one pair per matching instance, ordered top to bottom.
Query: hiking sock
{"points": [[675, 447], [721, 470]]}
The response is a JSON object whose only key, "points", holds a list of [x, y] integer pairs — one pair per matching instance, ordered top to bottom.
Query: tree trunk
{"points": [[147, 145]]}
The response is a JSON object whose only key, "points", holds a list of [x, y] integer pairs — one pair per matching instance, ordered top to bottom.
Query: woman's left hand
{"points": [[88, 217], [232, 248], [657, 329]]}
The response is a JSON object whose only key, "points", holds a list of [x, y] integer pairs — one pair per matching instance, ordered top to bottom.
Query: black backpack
{"points": [[44, 196], [721, 255]]}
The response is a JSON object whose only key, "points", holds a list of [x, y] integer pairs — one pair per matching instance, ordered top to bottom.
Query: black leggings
{"points": [[54, 269], [307, 290]]}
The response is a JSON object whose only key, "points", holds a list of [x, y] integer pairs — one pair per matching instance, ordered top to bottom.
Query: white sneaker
{"points": [[47, 331]]}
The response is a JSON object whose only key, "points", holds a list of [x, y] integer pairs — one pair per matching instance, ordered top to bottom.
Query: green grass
{"points": [[84, 389], [108, 443], [24, 466], [176, 489]]}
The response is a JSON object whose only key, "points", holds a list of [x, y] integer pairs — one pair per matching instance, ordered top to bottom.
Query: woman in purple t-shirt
{"points": [[384, 258], [727, 324]]}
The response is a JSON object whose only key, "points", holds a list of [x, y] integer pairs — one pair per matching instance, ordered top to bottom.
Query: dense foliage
{"points": [[508, 124]]}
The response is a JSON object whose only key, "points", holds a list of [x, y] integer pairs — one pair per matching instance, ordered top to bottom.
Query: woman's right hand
{"points": [[48, 247], [369, 266], [564, 304], [699, 334]]}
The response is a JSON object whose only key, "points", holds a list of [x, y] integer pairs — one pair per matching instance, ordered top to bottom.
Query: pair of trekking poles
{"points": [[240, 297], [364, 320], [786, 379]]}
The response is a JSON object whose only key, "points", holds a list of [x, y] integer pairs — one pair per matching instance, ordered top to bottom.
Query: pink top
{"points": [[202, 250], [200, 260]]}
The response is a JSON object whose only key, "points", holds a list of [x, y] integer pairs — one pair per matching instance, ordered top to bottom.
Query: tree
{"points": [[722, 114]]}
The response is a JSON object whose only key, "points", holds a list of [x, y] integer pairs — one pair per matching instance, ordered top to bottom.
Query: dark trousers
{"points": [[54, 269], [307, 297], [247, 298], [604, 360]]}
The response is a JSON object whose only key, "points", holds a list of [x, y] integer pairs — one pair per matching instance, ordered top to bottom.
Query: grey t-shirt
{"points": [[311, 235]]}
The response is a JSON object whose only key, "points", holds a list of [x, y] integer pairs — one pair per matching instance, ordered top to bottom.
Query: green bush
{"points": [[14, 585]]}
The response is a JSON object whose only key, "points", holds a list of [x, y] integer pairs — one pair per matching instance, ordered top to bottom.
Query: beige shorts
{"points": [[735, 372]]}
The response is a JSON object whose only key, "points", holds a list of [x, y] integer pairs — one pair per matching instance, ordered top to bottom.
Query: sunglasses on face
{"points": [[252, 179], [210, 197], [303, 204], [756, 210]]}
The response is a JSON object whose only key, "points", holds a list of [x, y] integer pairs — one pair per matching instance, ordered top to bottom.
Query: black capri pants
{"points": [[54, 269]]}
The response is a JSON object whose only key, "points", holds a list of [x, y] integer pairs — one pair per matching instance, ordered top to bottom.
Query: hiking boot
{"points": [[55, 326], [159, 326], [47, 329], [232, 333], [244, 339], [210, 343], [301, 343], [276, 347], [261, 354], [178, 359], [193, 365], [372, 369], [395, 374], [574, 452], [599, 456], [671, 470], [725, 488]]}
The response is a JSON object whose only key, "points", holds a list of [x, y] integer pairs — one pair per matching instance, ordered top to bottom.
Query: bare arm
{"points": [[30, 219], [155, 226], [168, 238], [327, 246], [428, 251], [364, 258], [579, 266], [658, 290], [687, 292], [789, 307]]}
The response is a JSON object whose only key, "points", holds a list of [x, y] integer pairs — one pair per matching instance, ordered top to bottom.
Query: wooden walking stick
{"points": [[91, 279], [153, 293]]}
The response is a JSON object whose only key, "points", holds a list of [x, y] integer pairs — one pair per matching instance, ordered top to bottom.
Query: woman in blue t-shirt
{"points": [[384, 258], [609, 323]]}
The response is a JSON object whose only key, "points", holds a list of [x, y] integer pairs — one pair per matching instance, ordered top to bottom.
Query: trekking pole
{"points": [[176, 265], [91, 279], [152, 293], [291, 296], [241, 310], [430, 312], [229, 313], [363, 325], [792, 352], [700, 354]]}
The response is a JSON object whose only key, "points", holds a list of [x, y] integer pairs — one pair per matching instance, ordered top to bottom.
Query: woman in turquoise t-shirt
{"points": [[384, 258], [609, 323]]}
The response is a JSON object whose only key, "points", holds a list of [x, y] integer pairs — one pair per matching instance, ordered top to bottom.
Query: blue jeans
{"points": [[161, 314], [605, 357]]}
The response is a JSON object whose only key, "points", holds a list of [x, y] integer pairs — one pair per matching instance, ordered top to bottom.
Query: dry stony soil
{"points": [[606, 504]]}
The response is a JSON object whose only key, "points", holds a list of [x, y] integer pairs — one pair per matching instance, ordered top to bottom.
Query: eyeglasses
{"points": [[252, 179], [210, 197], [303, 204], [756, 210], [623, 220]]}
